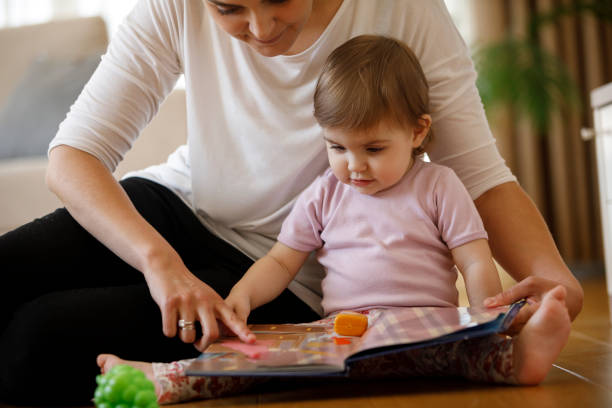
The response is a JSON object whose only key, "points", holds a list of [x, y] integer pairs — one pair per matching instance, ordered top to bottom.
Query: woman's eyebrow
{"points": [[220, 4]]}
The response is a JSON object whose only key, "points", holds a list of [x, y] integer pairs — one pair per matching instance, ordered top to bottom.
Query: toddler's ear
{"points": [[421, 129]]}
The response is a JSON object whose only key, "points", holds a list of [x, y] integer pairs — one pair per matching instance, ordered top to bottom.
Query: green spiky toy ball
{"points": [[124, 387]]}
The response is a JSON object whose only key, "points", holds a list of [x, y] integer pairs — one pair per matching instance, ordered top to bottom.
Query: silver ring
{"points": [[186, 324]]}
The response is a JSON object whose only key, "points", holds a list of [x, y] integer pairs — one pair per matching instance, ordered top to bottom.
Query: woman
{"points": [[74, 283]]}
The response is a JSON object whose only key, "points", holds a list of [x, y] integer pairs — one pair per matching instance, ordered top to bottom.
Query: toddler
{"points": [[389, 229]]}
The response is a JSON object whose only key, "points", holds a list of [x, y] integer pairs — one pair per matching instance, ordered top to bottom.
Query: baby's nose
{"points": [[356, 164]]}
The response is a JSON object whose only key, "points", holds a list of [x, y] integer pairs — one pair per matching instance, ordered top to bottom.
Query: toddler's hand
{"points": [[239, 304], [240, 308], [234, 323]]}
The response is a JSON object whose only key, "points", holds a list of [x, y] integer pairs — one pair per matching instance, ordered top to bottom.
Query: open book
{"points": [[314, 349]]}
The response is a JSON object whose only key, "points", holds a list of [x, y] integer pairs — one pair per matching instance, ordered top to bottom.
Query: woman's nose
{"points": [[261, 25]]}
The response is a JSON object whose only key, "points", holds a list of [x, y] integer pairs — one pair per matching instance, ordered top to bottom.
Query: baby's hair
{"points": [[368, 79]]}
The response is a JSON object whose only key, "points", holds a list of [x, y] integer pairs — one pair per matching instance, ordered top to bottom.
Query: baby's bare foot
{"points": [[542, 338], [108, 361]]}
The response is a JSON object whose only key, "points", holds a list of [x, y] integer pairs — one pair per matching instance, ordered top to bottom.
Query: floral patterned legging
{"points": [[484, 359]]}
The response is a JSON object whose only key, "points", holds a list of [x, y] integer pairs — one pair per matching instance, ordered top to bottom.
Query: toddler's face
{"points": [[372, 160]]}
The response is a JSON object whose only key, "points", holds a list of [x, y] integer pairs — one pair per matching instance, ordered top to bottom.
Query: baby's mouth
{"points": [[361, 182]]}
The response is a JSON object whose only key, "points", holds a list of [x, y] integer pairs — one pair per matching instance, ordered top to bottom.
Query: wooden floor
{"points": [[582, 377]]}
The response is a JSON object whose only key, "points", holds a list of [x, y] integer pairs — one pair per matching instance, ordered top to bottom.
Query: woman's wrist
{"points": [[159, 258], [550, 266], [574, 297]]}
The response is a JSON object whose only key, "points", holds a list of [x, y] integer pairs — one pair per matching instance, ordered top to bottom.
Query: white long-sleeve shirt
{"points": [[252, 142]]}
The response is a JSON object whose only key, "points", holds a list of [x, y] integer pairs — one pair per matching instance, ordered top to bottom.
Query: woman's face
{"points": [[270, 27]]}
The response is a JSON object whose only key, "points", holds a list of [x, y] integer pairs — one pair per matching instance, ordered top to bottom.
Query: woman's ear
{"points": [[421, 130]]}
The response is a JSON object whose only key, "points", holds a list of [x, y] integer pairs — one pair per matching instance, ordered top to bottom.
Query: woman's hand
{"points": [[97, 201], [522, 244], [532, 289], [180, 295]]}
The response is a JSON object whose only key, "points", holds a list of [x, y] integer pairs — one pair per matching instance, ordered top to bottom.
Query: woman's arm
{"points": [[97, 202], [523, 246], [476, 265], [265, 279]]}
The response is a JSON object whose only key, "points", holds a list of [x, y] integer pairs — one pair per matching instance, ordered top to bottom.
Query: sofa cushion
{"points": [[32, 113]]}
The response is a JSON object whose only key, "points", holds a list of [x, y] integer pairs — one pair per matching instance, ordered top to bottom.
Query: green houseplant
{"points": [[519, 73]]}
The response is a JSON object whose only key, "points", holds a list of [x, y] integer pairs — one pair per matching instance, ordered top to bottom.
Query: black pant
{"points": [[65, 298]]}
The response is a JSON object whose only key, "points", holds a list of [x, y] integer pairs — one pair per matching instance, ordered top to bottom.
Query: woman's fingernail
{"points": [[488, 301]]}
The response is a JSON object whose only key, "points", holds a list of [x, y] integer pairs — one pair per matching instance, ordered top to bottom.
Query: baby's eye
{"points": [[337, 147], [375, 149]]}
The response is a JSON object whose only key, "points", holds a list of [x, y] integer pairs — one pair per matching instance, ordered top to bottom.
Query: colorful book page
{"points": [[314, 348]]}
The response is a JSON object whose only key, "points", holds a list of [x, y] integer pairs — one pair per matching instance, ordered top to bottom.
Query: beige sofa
{"points": [[23, 194]]}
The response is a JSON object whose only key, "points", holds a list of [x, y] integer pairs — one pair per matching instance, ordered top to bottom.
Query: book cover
{"points": [[314, 349]]}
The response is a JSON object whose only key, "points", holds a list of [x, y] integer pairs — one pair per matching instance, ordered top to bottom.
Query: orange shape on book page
{"points": [[350, 324], [341, 340]]}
